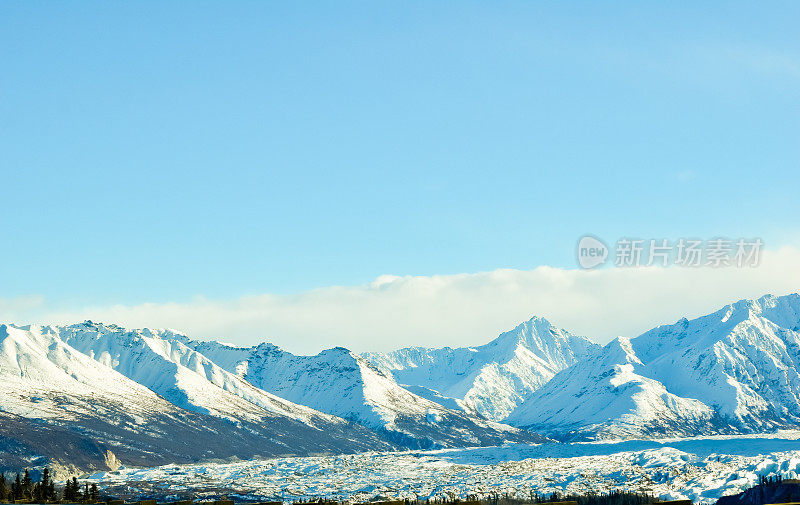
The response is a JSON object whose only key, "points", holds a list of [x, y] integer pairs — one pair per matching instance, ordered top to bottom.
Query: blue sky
{"points": [[157, 151]]}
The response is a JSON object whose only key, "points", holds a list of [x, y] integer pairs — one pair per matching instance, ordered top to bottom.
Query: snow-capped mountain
{"points": [[160, 361], [735, 370], [491, 379], [344, 384], [607, 395], [97, 396], [86, 410]]}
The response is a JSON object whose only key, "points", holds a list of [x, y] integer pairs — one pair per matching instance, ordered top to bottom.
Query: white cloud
{"points": [[11, 307], [455, 310]]}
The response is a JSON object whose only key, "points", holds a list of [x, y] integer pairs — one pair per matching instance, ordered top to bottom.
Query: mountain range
{"points": [[343, 384], [96, 396], [130, 397]]}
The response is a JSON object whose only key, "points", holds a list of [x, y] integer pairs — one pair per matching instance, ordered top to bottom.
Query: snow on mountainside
{"points": [[743, 359], [158, 360], [35, 363], [735, 370], [491, 379], [344, 384], [607, 396], [145, 397], [59, 404]]}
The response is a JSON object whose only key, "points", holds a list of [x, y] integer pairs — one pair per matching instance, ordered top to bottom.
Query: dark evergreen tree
{"points": [[27, 486], [17, 488], [77, 488], [41, 489], [4, 491], [51, 491], [72, 491], [94, 493], [36, 494], [69, 494]]}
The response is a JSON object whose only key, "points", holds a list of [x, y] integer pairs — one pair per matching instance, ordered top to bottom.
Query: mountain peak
{"points": [[781, 310], [538, 323], [527, 333], [264, 347], [336, 350], [621, 350], [490, 379]]}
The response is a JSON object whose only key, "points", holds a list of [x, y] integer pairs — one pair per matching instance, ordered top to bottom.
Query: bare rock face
{"points": [[111, 461]]}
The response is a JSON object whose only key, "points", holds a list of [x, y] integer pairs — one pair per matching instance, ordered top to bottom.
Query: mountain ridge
{"points": [[345, 384], [71, 409]]}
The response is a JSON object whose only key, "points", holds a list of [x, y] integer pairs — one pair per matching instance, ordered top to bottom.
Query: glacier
{"points": [[701, 469]]}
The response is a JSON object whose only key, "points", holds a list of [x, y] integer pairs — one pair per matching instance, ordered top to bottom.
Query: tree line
{"points": [[24, 489]]}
